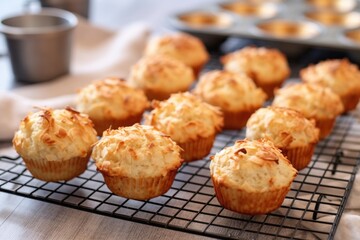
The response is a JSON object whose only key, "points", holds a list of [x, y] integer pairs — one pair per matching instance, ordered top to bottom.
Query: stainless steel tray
{"points": [[288, 21]]}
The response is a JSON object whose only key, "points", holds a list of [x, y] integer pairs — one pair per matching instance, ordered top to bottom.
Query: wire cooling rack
{"points": [[312, 209]]}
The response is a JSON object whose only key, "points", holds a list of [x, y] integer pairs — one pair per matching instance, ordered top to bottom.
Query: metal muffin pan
{"points": [[318, 23]]}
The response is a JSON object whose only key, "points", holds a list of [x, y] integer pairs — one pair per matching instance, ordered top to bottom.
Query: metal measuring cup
{"points": [[39, 43]]}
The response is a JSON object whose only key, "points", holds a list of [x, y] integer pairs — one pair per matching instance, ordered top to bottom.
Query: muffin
{"points": [[181, 46], [266, 66], [340, 75], [160, 76], [236, 95], [313, 101], [111, 102], [190, 122], [288, 129], [49, 143], [137, 162], [251, 177]]}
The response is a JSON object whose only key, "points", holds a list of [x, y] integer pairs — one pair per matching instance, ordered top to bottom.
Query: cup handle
{"points": [[32, 6]]}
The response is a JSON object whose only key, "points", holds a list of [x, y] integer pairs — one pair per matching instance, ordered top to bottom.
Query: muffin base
{"points": [[197, 70], [269, 88], [160, 95], [350, 101], [236, 120], [101, 125], [325, 126], [196, 149], [299, 157], [61, 170], [140, 188], [245, 202]]}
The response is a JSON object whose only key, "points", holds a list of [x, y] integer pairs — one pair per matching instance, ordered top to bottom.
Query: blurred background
{"points": [[110, 14], [115, 14]]}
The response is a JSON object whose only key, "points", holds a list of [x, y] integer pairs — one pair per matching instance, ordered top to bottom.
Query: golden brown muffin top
{"points": [[181, 46], [263, 65], [161, 73], [340, 75], [229, 91], [111, 98], [312, 100], [185, 117], [286, 128], [54, 135], [136, 151], [252, 165]]}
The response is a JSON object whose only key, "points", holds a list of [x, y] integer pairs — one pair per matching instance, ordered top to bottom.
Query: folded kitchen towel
{"points": [[97, 53], [15, 107], [349, 225]]}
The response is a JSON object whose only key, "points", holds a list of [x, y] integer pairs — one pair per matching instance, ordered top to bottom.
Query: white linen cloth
{"points": [[97, 53], [349, 226]]}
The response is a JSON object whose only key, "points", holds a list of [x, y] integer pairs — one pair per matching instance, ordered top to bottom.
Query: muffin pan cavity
{"points": [[337, 5], [251, 9], [333, 18], [203, 19], [314, 23], [289, 29], [354, 36]]}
